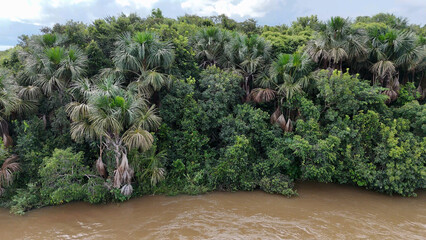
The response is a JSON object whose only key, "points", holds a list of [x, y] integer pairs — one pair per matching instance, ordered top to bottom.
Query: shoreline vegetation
{"points": [[129, 106]]}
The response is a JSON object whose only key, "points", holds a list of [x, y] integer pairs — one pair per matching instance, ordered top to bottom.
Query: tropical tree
{"points": [[336, 43], [209, 45], [395, 53], [249, 56], [144, 59], [49, 66], [288, 76], [10, 103], [120, 119], [154, 165], [8, 167]]}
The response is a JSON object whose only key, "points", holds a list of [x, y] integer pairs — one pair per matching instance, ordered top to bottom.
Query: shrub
{"points": [[62, 177], [278, 183]]}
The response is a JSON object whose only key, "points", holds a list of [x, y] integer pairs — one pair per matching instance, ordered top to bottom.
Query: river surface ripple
{"points": [[321, 211]]}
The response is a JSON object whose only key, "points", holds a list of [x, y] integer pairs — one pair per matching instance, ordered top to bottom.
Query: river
{"points": [[321, 211]]}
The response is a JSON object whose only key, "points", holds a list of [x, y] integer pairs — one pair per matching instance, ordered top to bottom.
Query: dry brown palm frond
{"points": [[394, 84], [421, 91], [260, 95], [393, 95], [275, 115], [281, 122], [289, 126], [7, 140], [124, 165], [100, 166], [8, 168], [125, 177], [117, 179], [127, 189]]}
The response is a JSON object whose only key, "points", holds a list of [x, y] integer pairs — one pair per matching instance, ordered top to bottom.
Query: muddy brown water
{"points": [[321, 211]]}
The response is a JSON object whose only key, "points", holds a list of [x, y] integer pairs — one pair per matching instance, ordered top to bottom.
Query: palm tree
{"points": [[336, 43], [209, 45], [394, 53], [249, 56], [145, 58], [50, 66], [289, 75], [10, 103], [120, 119], [154, 161], [9, 166], [7, 169]]}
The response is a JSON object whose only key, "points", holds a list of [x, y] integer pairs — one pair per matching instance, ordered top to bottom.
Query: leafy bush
{"points": [[234, 169], [62, 177], [278, 183], [26, 199]]}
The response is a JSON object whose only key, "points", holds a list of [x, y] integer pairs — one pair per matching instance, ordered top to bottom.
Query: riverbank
{"points": [[321, 211]]}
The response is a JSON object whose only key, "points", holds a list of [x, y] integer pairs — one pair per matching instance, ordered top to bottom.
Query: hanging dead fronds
{"points": [[260, 95], [275, 115], [282, 122], [289, 126], [9, 166], [100, 166]]}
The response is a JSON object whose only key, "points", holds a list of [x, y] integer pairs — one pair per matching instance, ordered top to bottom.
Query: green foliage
{"points": [[282, 42], [97, 59], [220, 92], [407, 93], [348, 94], [184, 106], [416, 114], [251, 122], [280, 160], [233, 171], [62, 177], [279, 184], [96, 191], [26, 199]]}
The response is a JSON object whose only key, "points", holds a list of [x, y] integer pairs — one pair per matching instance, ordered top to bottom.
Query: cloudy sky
{"points": [[28, 16]]}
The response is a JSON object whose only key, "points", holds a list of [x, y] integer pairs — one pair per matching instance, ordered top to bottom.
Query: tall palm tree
{"points": [[337, 43], [209, 45], [393, 54], [249, 56], [144, 58], [49, 66], [289, 75], [10, 103], [120, 119]]}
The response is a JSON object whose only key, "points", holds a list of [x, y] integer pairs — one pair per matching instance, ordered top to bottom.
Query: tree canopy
{"points": [[127, 106]]}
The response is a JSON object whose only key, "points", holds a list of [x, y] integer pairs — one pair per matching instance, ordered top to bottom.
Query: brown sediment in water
{"points": [[321, 211]]}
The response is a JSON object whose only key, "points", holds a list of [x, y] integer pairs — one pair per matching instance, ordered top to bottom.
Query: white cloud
{"points": [[137, 3], [243, 8], [20, 10], [32, 10], [414, 10], [5, 47]]}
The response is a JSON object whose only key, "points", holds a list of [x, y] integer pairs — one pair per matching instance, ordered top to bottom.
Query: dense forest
{"points": [[128, 106]]}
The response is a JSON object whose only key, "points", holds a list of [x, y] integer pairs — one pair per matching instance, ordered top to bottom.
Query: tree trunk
{"points": [[246, 87]]}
